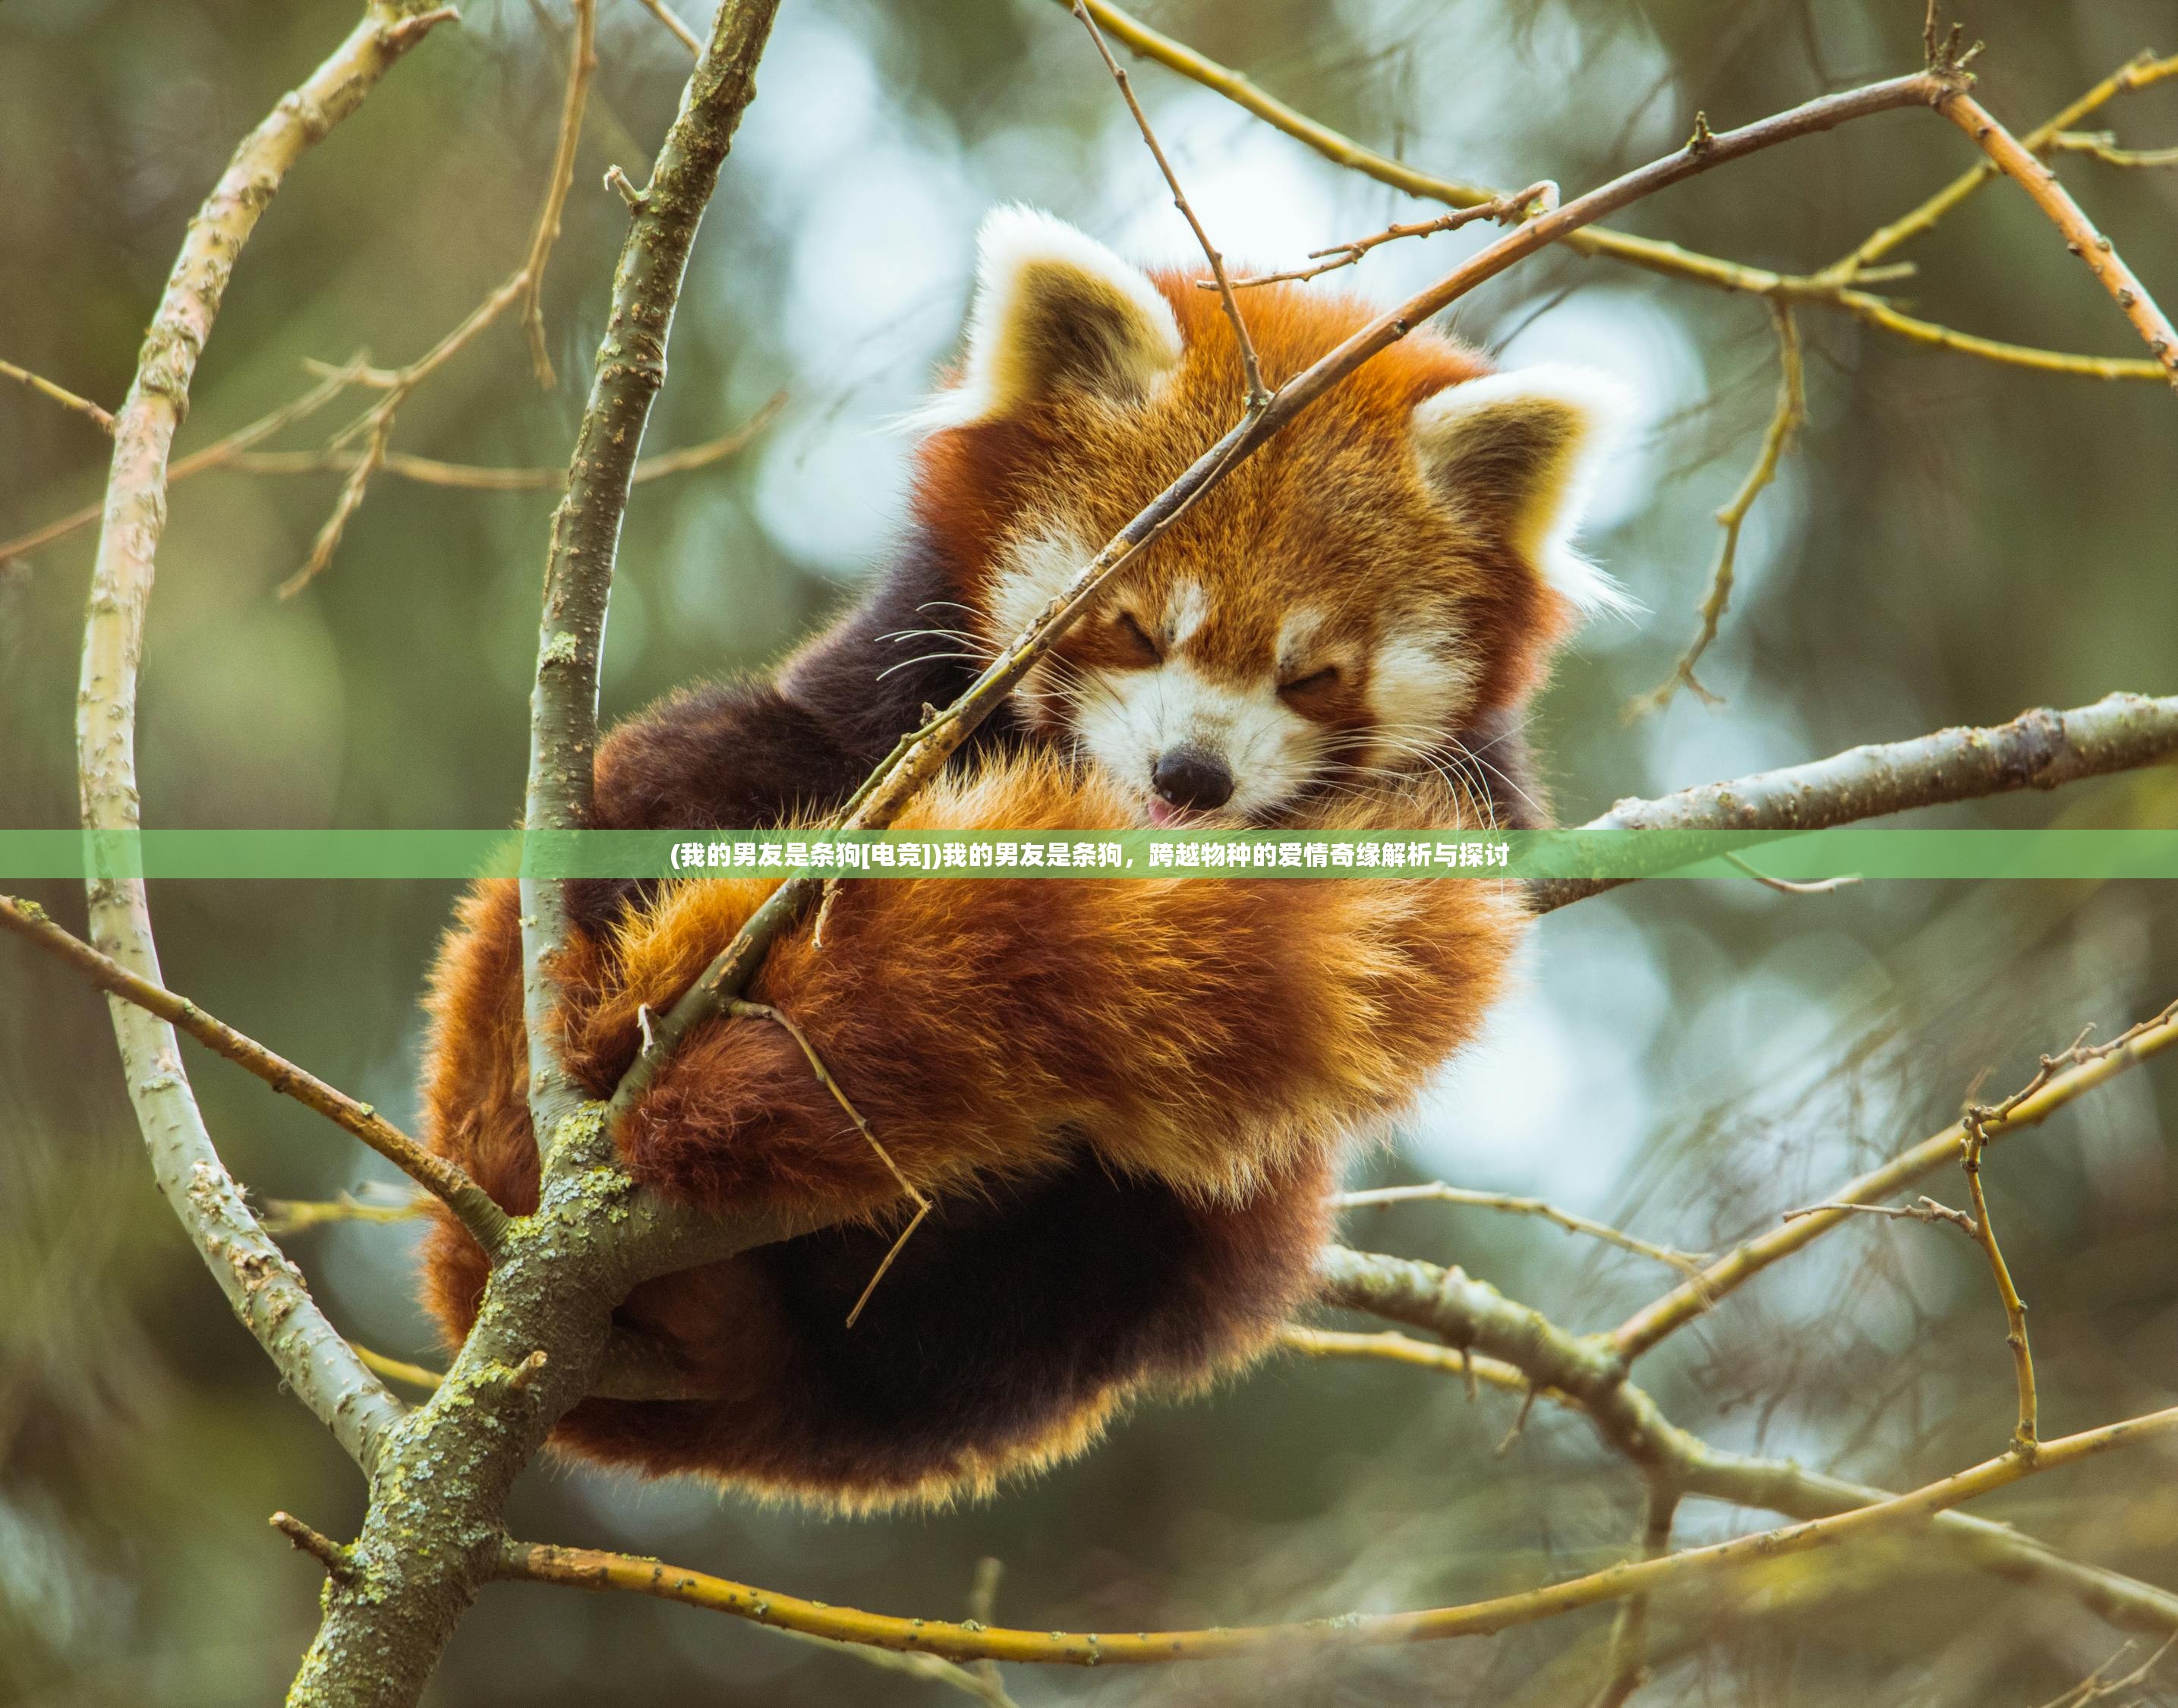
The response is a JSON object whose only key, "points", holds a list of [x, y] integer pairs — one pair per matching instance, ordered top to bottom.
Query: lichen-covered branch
{"points": [[631, 368], [2039, 749], [460, 1194], [266, 1291], [432, 1535]]}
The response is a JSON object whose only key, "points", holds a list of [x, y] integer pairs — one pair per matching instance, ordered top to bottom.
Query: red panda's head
{"points": [[1393, 569]]}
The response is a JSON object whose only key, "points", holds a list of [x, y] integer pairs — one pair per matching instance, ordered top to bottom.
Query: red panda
{"points": [[1127, 1097]]}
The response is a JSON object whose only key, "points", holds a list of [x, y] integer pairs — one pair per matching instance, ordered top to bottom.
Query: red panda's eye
{"points": [[1138, 638], [1314, 682]]}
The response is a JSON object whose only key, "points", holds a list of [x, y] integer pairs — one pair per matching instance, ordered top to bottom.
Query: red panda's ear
{"points": [[1054, 309], [1515, 454]]}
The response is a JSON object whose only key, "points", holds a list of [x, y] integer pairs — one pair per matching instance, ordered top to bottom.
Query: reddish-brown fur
{"points": [[1127, 1096]]}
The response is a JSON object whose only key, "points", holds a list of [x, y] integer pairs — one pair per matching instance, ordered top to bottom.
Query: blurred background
{"points": [[1951, 543]]}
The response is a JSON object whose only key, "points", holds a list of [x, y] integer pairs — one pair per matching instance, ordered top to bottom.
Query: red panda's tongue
{"points": [[1163, 813]]}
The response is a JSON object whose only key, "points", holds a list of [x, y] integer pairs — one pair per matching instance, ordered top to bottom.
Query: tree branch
{"points": [[581, 62], [1652, 255], [2102, 259], [59, 394], [2039, 749], [2050, 1092], [1438, 1192], [468, 1201], [264, 1289], [1518, 1349], [595, 1569]]}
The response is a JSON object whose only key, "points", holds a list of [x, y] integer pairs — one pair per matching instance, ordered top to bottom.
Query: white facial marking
{"points": [[1032, 572], [1184, 613], [1296, 635], [1417, 692], [1130, 719]]}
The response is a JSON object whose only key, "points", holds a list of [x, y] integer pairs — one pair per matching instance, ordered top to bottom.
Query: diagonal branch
{"points": [[2014, 160], [1251, 368], [61, 394], [923, 752], [2050, 1092], [467, 1201], [264, 1289], [1516, 1348], [595, 1569]]}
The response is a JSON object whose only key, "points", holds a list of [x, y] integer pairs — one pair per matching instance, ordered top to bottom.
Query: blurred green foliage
{"points": [[1951, 542]]}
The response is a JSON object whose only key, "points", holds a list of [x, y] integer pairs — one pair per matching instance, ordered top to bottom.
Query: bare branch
{"points": [[682, 33], [581, 62], [2143, 70], [2102, 145], [2015, 161], [1507, 209], [1827, 287], [1251, 369], [59, 394], [1792, 409], [214, 455], [429, 471], [2040, 749], [2053, 1088], [1438, 1192], [460, 1194], [1925, 1209], [264, 1289], [1517, 1349], [2024, 1431], [323, 1549], [592, 1568], [1628, 1666]]}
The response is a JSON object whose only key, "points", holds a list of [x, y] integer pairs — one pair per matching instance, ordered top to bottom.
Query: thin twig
{"points": [[682, 33], [581, 62], [2140, 72], [2102, 145], [2015, 161], [1506, 209], [1826, 287], [333, 381], [61, 394], [1259, 394], [1785, 419], [374, 426], [429, 471], [1786, 886], [760, 1010], [2065, 1079], [434, 1174], [1924, 1209], [285, 1215], [1688, 1263], [1514, 1347], [399, 1370], [2025, 1430], [320, 1547], [591, 1569], [1627, 1668], [2097, 1686]]}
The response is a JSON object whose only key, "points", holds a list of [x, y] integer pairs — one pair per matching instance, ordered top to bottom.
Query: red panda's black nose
{"points": [[1191, 778]]}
